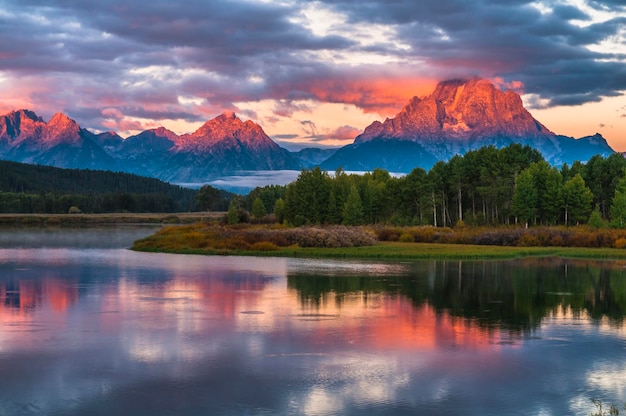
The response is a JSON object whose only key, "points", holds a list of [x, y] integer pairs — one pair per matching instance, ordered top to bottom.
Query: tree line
{"points": [[487, 186], [26, 188]]}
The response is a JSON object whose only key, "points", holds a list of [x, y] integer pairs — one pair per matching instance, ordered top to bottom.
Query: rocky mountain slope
{"points": [[459, 116], [25, 137], [221, 146]]}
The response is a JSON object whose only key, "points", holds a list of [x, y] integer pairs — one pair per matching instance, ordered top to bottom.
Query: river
{"points": [[88, 327]]}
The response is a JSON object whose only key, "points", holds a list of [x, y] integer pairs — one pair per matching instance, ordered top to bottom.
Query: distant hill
{"points": [[312, 156], [103, 191]]}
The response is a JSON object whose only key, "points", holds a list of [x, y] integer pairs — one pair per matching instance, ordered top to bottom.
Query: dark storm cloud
{"points": [[510, 39], [226, 52]]}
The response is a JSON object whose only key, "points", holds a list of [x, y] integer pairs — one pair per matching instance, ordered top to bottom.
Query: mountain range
{"points": [[460, 115]]}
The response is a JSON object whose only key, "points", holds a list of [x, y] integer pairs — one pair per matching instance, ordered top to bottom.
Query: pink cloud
{"points": [[385, 96], [344, 133]]}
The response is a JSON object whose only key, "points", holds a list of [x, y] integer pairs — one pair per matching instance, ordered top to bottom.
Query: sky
{"points": [[311, 73]]}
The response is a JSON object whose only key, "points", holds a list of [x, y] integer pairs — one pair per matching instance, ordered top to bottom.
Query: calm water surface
{"points": [[90, 328]]}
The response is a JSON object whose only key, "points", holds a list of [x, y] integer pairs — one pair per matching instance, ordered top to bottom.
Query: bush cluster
{"points": [[336, 236], [582, 236], [243, 237], [258, 238]]}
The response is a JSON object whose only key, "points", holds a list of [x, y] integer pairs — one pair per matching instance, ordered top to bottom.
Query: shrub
{"points": [[388, 234], [425, 234], [338, 236], [406, 237], [528, 240], [237, 243], [620, 243], [264, 246]]}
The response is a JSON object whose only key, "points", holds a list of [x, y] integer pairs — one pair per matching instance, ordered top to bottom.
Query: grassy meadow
{"points": [[386, 242]]}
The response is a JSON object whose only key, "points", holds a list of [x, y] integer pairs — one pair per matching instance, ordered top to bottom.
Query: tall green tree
{"points": [[601, 176], [456, 181], [548, 183], [207, 198], [525, 198], [306, 199], [577, 199], [618, 207], [353, 208], [258, 209], [279, 210], [334, 213], [232, 216]]}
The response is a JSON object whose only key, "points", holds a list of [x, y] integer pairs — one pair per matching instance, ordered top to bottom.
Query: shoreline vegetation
{"points": [[385, 242]]}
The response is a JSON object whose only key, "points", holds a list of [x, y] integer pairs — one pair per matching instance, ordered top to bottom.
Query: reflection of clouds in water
{"points": [[161, 264], [345, 266], [610, 378], [345, 380], [320, 401]]}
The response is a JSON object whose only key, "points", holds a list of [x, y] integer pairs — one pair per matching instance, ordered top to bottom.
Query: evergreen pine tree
{"points": [[353, 208], [334, 214]]}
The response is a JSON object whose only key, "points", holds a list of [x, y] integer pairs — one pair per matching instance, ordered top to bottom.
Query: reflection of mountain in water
{"points": [[59, 287], [515, 295]]}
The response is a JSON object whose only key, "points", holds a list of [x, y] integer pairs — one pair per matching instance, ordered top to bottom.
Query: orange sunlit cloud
{"points": [[295, 57], [384, 96]]}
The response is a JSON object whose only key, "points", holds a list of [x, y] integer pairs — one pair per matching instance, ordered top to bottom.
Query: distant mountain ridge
{"points": [[459, 116], [25, 137], [222, 145]]}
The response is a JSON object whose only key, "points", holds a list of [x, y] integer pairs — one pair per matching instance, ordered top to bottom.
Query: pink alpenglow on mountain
{"points": [[459, 116], [223, 145]]}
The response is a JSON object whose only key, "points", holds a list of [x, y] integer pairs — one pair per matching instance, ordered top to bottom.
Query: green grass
{"points": [[203, 238], [412, 251]]}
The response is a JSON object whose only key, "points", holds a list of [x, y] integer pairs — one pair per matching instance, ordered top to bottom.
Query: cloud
{"points": [[161, 59], [309, 127], [345, 133], [333, 136]]}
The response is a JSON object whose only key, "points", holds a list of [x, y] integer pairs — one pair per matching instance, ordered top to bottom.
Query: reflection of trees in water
{"points": [[515, 295]]}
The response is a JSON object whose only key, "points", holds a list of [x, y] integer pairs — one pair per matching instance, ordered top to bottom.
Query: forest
{"points": [[488, 186], [484, 187], [30, 189]]}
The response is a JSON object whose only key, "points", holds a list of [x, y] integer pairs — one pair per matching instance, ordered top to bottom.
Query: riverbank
{"points": [[102, 219], [214, 240], [412, 251]]}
